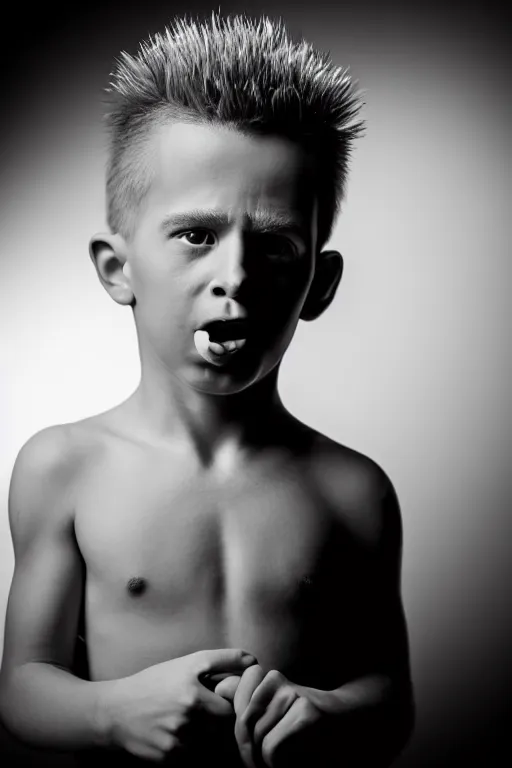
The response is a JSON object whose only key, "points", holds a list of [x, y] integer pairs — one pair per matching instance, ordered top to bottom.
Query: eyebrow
{"points": [[262, 222]]}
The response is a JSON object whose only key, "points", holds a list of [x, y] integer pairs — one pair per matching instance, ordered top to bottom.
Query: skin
{"points": [[199, 515]]}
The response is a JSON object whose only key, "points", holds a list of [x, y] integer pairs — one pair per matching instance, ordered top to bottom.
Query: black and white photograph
{"points": [[255, 391]]}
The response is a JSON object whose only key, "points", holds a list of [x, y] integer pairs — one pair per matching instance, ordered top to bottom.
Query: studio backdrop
{"points": [[411, 363]]}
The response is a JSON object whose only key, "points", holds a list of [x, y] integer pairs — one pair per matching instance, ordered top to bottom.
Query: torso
{"points": [[180, 559]]}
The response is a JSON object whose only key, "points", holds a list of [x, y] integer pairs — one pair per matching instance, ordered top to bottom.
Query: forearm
{"points": [[49, 707], [369, 720]]}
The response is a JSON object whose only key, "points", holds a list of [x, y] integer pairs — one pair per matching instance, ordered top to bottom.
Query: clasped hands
{"points": [[270, 710]]}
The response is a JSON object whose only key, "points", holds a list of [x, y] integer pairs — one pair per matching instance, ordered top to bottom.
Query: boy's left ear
{"points": [[328, 272]]}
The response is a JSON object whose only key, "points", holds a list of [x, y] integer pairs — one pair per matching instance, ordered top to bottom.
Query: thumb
{"points": [[222, 660], [227, 687]]}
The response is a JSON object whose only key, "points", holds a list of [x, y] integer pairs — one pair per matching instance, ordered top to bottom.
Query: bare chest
{"points": [[168, 538], [178, 561]]}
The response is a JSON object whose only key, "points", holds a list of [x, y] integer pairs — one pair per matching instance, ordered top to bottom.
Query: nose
{"points": [[230, 273]]}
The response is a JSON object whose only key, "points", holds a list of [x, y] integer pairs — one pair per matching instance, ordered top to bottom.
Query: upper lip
{"points": [[226, 328]]}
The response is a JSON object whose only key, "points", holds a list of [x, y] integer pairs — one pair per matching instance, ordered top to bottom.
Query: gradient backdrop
{"points": [[410, 365]]}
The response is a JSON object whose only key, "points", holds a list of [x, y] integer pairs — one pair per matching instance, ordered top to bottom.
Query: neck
{"points": [[169, 411]]}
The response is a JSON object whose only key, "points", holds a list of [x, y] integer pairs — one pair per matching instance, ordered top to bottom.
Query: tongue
{"points": [[218, 349], [213, 351]]}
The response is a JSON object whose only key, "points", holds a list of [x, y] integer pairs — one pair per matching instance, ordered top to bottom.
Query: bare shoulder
{"points": [[57, 449], [53, 452], [50, 463], [46, 469], [39, 472], [357, 490]]}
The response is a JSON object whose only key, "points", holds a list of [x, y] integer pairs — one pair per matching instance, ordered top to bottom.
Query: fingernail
{"points": [[249, 657]]}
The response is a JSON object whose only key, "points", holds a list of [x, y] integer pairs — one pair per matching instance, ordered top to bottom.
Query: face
{"points": [[227, 232]]}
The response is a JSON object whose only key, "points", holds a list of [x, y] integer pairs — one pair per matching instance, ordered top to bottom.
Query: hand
{"points": [[270, 710], [149, 713]]}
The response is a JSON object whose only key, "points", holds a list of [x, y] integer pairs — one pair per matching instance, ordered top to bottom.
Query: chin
{"points": [[223, 381], [218, 383]]}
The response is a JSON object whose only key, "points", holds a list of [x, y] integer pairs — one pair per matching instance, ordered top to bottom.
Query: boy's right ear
{"points": [[109, 254]]}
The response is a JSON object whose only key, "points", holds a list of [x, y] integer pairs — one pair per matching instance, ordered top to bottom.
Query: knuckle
{"points": [[252, 671], [275, 676], [288, 692], [190, 699], [301, 714], [173, 723], [166, 742]]}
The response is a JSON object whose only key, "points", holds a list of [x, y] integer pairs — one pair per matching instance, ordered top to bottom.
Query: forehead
{"points": [[216, 167]]}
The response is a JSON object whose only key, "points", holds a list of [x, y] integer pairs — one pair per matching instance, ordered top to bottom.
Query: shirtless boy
{"points": [[199, 520]]}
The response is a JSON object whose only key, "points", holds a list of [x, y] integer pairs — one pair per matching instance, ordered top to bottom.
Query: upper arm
{"points": [[369, 514], [45, 595], [386, 616], [379, 641], [385, 643]]}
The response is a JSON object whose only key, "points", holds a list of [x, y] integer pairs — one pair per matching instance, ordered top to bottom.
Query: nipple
{"points": [[216, 352], [137, 585]]}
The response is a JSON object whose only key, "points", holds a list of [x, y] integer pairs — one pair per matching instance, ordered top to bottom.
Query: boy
{"points": [[240, 572]]}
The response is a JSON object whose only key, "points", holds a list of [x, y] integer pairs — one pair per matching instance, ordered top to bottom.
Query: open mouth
{"points": [[226, 330], [218, 340]]}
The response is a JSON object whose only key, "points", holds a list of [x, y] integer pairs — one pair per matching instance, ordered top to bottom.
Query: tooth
{"points": [[202, 342], [216, 348], [212, 350]]}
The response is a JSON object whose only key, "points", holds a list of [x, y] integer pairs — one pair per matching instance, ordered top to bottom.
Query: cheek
{"points": [[158, 279], [288, 287], [162, 304], [279, 317]]}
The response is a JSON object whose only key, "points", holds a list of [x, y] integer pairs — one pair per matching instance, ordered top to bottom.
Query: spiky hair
{"points": [[236, 71]]}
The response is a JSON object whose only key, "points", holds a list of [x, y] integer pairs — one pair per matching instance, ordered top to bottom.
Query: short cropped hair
{"points": [[236, 71]]}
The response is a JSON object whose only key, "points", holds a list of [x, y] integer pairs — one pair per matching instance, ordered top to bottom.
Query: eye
{"points": [[196, 237], [278, 248]]}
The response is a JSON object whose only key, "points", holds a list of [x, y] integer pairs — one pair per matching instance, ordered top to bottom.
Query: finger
{"points": [[222, 660], [218, 677], [211, 681], [249, 681], [274, 685], [227, 687], [261, 697], [214, 704], [274, 712], [294, 721], [165, 741], [147, 752]]}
